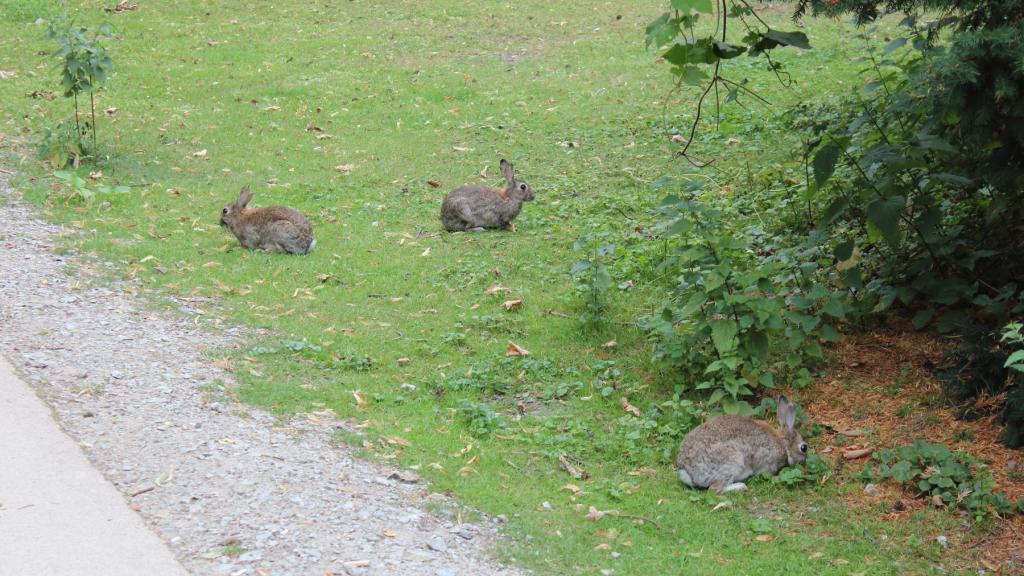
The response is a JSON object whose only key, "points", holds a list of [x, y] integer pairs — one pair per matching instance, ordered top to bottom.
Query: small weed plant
{"points": [[84, 67], [956, 479]]}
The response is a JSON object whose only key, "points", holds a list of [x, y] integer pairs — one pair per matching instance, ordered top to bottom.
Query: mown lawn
{"points": [[348, 111]]}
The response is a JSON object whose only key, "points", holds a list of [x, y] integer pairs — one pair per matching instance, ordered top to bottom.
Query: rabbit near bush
{"points": [[475, 206], [270, 229], [721, 453]]}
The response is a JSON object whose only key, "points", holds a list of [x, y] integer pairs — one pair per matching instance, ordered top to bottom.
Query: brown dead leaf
{"points": [[7, 75], [324, 136], [678, 139], [731, 141], [461, 149], [199, 154], [345, 168], [483, 173], [96, 175], [434, 183], [425, 252], [495, 288], [512, 304], [611, 343], [516, 350], [403, 361], [224, 364], [360, 399], [629, 407], [397, 440], [857, 451], [573, 466], [571, 488], [722, 504], [594, 514], [388, 533], [610, 533], [763, 537], [603, 546]]}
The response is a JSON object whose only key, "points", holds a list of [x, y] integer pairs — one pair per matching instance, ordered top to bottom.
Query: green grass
{"points": [[393, 312]]}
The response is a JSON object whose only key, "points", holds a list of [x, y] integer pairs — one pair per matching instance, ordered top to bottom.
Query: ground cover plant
{"points": [[363, 117]]}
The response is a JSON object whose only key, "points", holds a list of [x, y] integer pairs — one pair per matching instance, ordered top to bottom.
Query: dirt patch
{"points": [[880, 391]]}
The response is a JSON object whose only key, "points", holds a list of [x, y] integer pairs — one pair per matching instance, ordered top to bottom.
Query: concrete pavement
{"points": [[58, 515]]}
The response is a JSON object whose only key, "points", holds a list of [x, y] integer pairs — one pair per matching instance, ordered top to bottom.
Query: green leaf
{"points": [[686, 6], [661, 31], [797, 39], [725, 51], [699, 52], [691, 75], [825, 163], [837, 207], [884, 214], [843, 251], [602, 279], [834, 308], [923, 317], [828, 333], [722, 334], [757, 344], [1014, 359]]}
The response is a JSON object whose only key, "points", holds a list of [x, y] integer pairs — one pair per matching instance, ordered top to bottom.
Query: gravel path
{"points": [[231, 489]]}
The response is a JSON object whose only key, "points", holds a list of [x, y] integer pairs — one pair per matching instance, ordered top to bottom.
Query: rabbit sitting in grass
{"points": [[475, 206], [270, 229], [720, 454]]}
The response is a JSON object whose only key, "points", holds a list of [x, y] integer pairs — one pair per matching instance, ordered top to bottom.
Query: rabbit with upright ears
{"points": [[475, 206], [270, 229], [720, 454]]}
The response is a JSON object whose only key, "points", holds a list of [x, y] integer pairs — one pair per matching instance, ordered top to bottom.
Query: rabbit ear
{"points": [[507, 171], [244, 197], [785, 413]]}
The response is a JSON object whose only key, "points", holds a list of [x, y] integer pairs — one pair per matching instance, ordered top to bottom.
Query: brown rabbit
{"points": [[475, 206], [271, 229], [721, 453]]}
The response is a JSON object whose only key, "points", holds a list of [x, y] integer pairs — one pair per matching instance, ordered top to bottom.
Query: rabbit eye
{"points": [[522, 186], [224, 211], [803, 447]]}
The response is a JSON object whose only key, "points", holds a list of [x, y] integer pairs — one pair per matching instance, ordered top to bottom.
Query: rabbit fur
{"points": [[475, 206], [270, 229], [720, 454]]}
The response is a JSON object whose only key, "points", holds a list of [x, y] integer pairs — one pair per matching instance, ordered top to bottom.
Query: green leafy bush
{"points": [[740, 315], [956, 478]]}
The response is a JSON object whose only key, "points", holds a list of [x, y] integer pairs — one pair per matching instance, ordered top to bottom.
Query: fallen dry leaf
{"points": [[7, 75], [111, 111], [678, 139], [731, 141], [461, 149], [199, 154], [345, 168], [483, 173], [96, 175], [434, 183], [425, 252], [495, 288], [512, 304], [611, 343], [516, 350], [360, 399], [629, 407], [397, 440], [856, 451], [573, 466], [571, 488], [722, 504], [594, 514], [388, 533], [763, 538], [603, 546]]}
